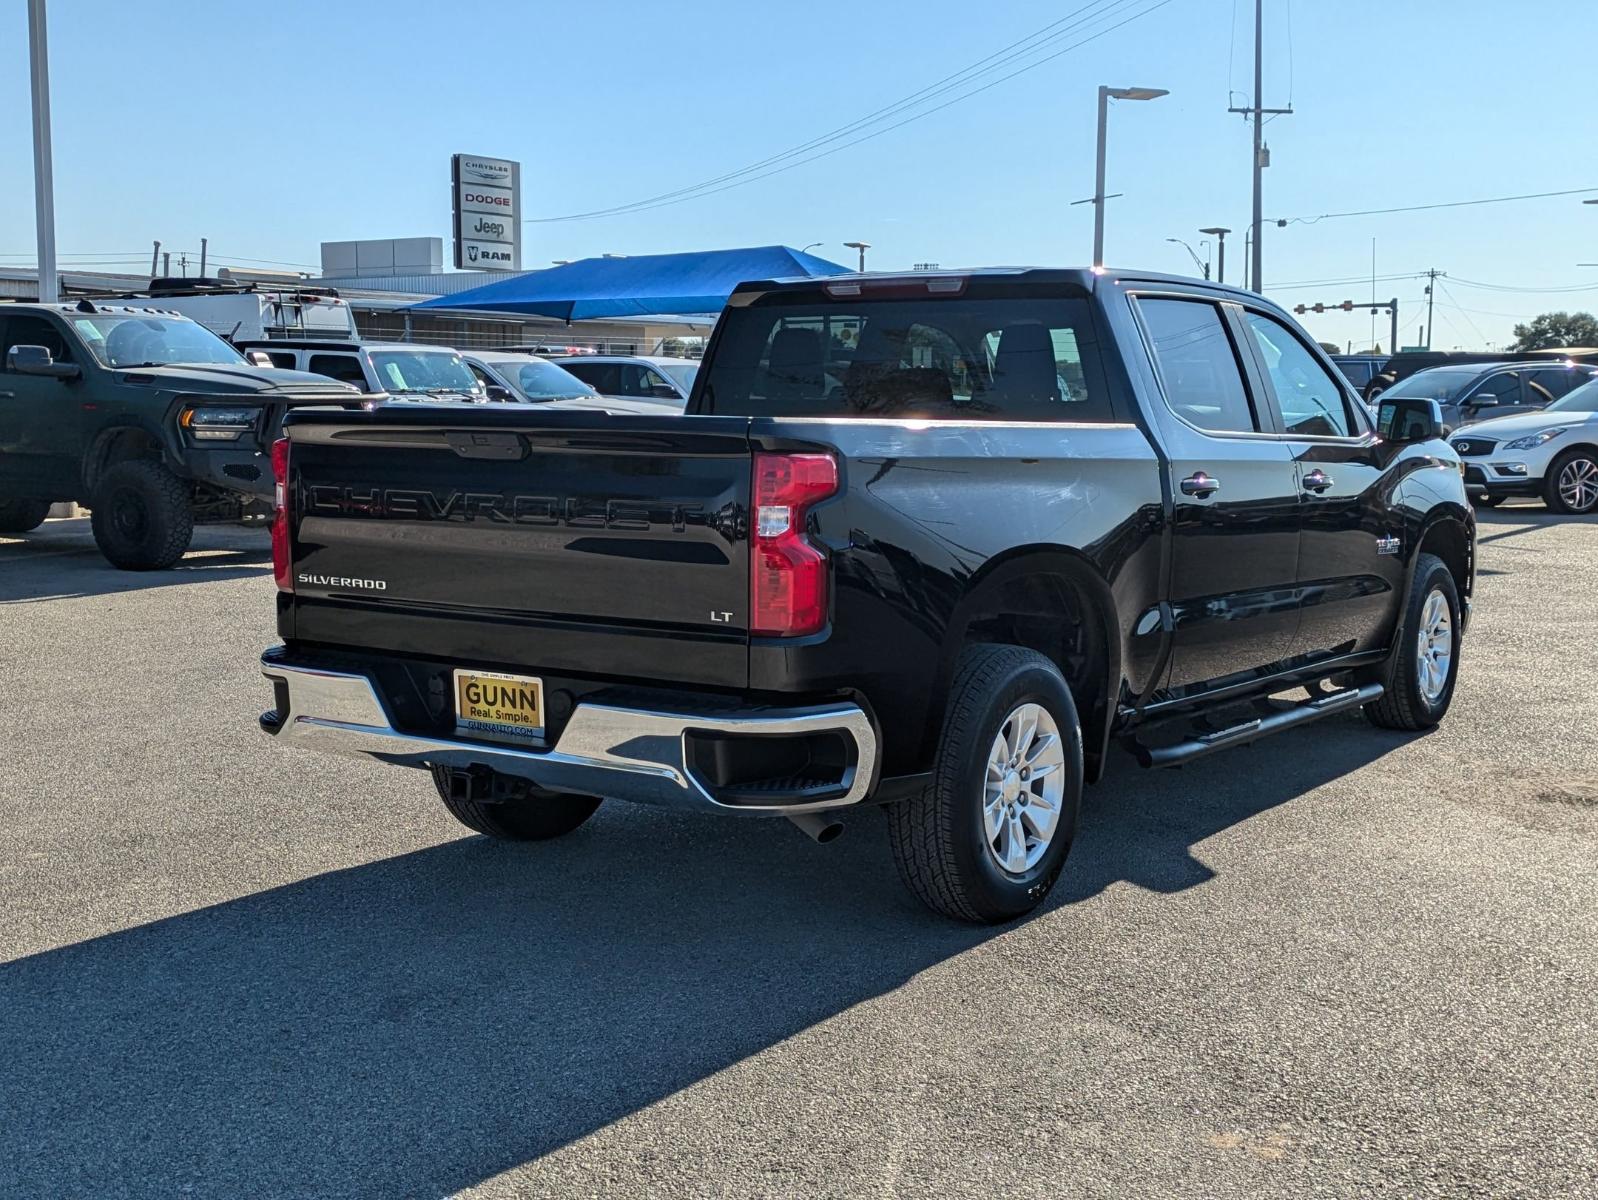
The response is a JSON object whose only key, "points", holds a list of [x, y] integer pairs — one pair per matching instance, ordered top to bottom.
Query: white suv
{"points": [[1552, 453]]}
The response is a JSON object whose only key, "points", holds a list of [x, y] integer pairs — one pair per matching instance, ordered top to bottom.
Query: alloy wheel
{"points": [[1578, 484], [1435, 651], [1024, 790]]}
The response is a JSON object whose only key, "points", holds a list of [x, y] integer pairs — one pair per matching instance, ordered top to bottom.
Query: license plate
{"points": [[503, 707]]}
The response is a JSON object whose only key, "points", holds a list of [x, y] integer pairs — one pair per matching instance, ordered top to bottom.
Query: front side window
{"points": [[28, 330], [1003, 357], [1198, 365], [540, 380], [1504, 387], [1311, 401]]}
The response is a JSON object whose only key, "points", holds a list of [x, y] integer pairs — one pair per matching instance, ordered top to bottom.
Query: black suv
{"points": [[148, 418]]}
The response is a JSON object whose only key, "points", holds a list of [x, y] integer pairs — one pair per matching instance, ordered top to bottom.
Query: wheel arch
{"points": [[117, 443], [1018, 598]]}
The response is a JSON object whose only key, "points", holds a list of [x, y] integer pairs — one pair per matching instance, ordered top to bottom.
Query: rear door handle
{"points": [[1317, 481], [1201, 484]]}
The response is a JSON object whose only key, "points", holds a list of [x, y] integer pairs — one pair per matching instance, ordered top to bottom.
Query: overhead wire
{"points": [[754, 171], [1375, 212]]}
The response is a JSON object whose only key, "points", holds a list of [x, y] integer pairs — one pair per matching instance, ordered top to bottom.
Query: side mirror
{"points": [[258, 358], [36, 360], [661, 391], [500, 395], [1484, 400], [1409, 420]]}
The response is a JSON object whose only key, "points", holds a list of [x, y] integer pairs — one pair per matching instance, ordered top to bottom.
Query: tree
{"points": [[1557, 329]]}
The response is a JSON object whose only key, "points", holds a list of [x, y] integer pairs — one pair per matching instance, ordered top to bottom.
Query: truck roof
{"points": [[1086, 278]]}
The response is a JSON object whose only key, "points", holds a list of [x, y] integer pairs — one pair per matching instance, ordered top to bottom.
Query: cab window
{"points": [[24, 330], [1198, 366], [1312, 402]]}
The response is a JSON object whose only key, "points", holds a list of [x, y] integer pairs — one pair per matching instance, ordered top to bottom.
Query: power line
{"points": [[964, 75], [746, 175], [1376, 212], [1505, 287]]}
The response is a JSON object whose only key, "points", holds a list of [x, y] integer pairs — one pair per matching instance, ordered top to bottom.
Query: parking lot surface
{"points": [[1343, 962]]}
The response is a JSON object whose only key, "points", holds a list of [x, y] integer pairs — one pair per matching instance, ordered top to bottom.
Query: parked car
{"points": [[1408, 362], [403, 370], [511, 375], [639, 376], [1478, 390], [147, 417], [1552, 454], [947, 586]]}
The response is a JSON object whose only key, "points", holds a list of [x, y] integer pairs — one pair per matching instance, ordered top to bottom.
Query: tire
{"points": [[1373, 393], [1571, 485], [1486, 501], [20, 516], [140, 516], [1415, 698], [533, 817], [941, 839]]}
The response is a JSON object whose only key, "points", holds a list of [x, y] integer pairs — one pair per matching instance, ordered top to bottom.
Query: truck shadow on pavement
{"points": [[63, 563], [422, 1023]]}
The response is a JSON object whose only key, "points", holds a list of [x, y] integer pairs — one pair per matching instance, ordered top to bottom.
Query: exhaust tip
{"points": [[819, 828]]}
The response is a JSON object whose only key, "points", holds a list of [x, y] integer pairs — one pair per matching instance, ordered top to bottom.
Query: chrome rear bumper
{"points": [[615, 752]]}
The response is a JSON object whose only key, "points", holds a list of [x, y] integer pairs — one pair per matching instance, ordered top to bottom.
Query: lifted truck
{"points": [[148, 418], [930, 540]]}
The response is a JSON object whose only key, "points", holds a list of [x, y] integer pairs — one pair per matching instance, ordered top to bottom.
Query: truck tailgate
{"points": [[584, 543]]}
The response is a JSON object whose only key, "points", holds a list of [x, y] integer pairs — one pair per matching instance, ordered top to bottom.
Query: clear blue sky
{"points": [[270, 128]]}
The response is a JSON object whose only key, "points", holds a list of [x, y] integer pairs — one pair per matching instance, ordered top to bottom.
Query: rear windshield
{"points": [[1008, 358]]}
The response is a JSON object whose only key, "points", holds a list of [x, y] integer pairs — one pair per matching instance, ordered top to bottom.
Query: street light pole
{"points": [[1106, 94], [43, 168], [1219, 234], [862, 247], [1193, 254]]}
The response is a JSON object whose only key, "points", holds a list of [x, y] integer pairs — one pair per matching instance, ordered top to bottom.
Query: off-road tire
{"points": [[1551, 497], [20, 516], [140, 516], [1404, 705], [536, 818], [937, 837]]}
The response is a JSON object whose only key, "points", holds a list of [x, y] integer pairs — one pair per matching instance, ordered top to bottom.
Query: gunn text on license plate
{"points": [[506, 707]]}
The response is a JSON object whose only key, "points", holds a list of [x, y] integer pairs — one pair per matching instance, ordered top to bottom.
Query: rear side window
{"points": [[965, 358], [1198, 365], [345, 367], [1311, 401]]}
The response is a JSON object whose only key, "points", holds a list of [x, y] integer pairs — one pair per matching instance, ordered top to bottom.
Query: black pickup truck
{"points": [[147, 417], [933, 540]]}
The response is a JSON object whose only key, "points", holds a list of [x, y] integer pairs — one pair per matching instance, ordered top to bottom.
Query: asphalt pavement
{"points": [[1343, 962]]}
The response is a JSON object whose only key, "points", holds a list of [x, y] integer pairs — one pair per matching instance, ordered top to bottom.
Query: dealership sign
{"points": [[488, 227]]}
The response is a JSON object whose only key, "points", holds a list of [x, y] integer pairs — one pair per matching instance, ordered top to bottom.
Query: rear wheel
{"points": [[1571, 485], [19, 516], [140, 516], [1425, 667], [526, 815], [986, 841]]}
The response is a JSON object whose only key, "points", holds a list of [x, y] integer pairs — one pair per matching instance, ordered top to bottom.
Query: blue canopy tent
{"points": [[639, 286]]}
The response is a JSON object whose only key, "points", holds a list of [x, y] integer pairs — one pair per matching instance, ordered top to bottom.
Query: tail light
{"points": [[282, 568], [788, 573]]}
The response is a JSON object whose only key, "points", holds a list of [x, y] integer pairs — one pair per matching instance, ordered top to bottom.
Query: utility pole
{"points": [[1256, 112], [43, 166], [203, 247], [155, 260], [1431, 283]]}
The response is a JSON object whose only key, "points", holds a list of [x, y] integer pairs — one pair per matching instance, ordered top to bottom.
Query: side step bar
{"points": [[1301, 713]]}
